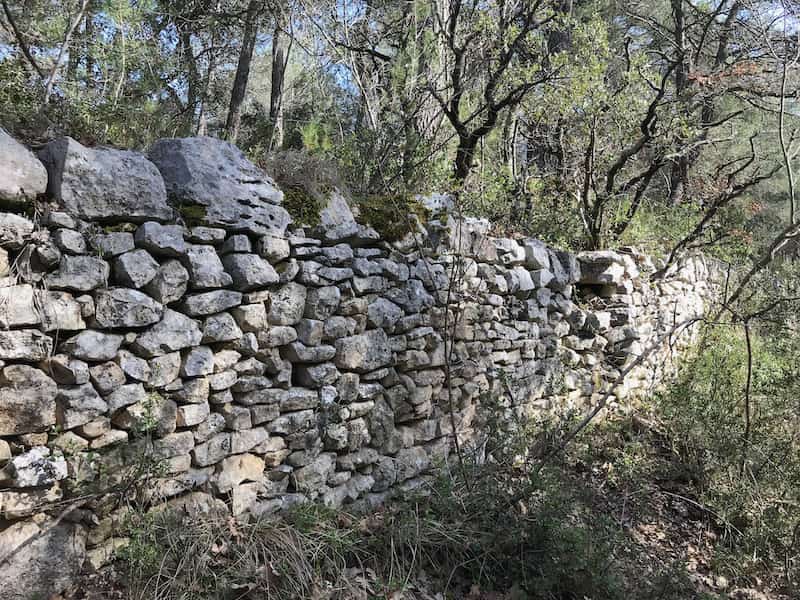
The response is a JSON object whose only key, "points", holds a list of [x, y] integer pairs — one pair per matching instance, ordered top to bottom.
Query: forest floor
{"points": [[666, 543]]}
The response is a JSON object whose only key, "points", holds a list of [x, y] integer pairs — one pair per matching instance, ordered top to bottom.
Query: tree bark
{"points": [[280, 58], [242, 71], [679, 174]]}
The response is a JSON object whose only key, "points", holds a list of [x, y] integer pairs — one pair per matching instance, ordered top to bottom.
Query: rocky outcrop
{"points": [[272, 364]]}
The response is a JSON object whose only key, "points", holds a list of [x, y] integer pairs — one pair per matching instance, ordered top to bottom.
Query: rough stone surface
{"points": [[22, 175], [103, 183], [227, 190], [161, 240], [205, 268], [135, 269], [249, 271], [79, 273], [169, 283], [209, 303], [287, 304], [122, 307], [174, 332], [29, 345], [93, 346], [365, 352], [27, 400], [46, 559]]}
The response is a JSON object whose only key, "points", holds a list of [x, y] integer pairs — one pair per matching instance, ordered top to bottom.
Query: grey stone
{"points": [[22, 175], [103, 183], [227, 189], [336, 219], [15, 230], [206, 235], [161, 240], [69, 241], [237, 243], [112, 244], [273, 248], [536, 254], [602, 267], [205, 268], [135, 269], [249, 271], [79, 273], [170, 282], [322, 302], [209, 303], [287, 304], [18, 307], [123, 307], [61, 312], [383, 313], [251, 317], [221, 327], [310, 331], [174, 332], [278, 336], [28, 345], [93, 346], [299, 352], [363, 353], [197, 361], [133, 366], [164, 369], [66, 370], [316, 376], [106, 377], [194, 391], [126, 395], [27, 400], [78, 404], [190, 415], [246, 440], [173, 444], [212, 451], [35, 468], [312, 477], [44, 558]]}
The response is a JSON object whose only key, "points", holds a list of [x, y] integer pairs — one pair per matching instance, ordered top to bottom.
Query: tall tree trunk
{"points": [[280, 58], [242, 71], [193, 80], [679, 174]]}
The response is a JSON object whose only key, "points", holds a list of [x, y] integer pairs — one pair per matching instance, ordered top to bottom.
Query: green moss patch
{"points": [[303, 206], [193, 214], [392, 216]]}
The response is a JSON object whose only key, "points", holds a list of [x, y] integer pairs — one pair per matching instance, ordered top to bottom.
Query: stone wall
{"points": [[164, 306]]}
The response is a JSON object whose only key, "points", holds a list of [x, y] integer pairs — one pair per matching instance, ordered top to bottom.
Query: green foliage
{"points": [[751, 478]]}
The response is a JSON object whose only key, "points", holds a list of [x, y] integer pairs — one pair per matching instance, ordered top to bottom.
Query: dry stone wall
{"points": [[164, 306]]}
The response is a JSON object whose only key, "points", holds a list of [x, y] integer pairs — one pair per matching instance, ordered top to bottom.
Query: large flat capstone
{"points": [[22, 176], [212, 181], [103, 183]]}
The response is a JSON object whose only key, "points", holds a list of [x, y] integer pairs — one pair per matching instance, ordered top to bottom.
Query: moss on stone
{"points": [[302, 206], [193, 214], [391, 216], [119, 228]]}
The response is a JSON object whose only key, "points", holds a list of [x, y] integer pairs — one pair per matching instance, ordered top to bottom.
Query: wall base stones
{"points": [[262, 365]]}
